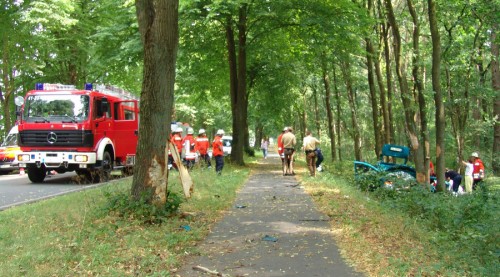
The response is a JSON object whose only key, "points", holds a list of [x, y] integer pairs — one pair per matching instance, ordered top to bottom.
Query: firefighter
{"points": [[188, 144], [201, 146], [218, 151], [478, 172]]}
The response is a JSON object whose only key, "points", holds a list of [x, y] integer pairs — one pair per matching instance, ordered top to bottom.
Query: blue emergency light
{"points": [[39, 86], [88, 86]]}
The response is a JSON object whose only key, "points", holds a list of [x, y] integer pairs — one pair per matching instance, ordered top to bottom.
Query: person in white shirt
{"points": [[469, 169]]}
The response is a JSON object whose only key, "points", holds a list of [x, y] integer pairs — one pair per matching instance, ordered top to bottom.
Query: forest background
{"points": [[359, 74]]}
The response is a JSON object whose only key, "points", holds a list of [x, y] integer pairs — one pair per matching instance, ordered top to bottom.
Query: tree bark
{"points": [[158, 26], [370, 54], [495, 82], [6, 93], [373, 97], [438, 97], [328, 105], [352, 105], [387, 109], [339, 112], [316, 113], [424, 175]]}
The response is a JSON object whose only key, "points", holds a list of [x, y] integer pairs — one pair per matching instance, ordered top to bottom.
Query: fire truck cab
{"points": [[91, 131]]}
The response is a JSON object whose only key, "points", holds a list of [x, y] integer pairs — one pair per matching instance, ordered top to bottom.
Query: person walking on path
{"points": [[289, 142], [264, 145], [201, 146], [309, 146], [218, 151], [469, 168], [478, 173], [274, 229]]}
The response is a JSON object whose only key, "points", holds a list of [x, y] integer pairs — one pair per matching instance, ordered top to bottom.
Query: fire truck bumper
{"points": [[57, 159]]}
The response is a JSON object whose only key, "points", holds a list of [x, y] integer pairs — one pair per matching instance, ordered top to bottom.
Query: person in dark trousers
{"points": [[201, 146], [218, 151], [319, 159], [451, 175]]}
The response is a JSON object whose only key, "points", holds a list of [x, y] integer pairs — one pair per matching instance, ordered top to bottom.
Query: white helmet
{"points": [[286, 129], [178, 130], [190, 131], [201, 131], [220, 132], [475, 155]]}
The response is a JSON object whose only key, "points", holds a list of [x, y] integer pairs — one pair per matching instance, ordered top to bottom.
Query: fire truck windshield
{"points": [[56, 108]]}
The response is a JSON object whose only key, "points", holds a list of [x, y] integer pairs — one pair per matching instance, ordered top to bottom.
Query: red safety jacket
{"points": [[177, 141], [201, 145], [280, 145], [217, 147], [478, 172]]}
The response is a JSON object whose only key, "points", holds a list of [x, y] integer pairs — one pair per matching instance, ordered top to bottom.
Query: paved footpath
{"points": [[273, 229]]}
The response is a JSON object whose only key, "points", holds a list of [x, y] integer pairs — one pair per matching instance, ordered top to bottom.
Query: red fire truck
{"points": [[91, 131]]}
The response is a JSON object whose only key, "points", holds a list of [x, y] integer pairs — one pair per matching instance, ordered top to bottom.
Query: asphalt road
{"points": [[16, 189]]}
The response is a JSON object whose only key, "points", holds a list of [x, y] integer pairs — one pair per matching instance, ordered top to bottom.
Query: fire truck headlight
{"points": [[23, 157], [81, 158]]}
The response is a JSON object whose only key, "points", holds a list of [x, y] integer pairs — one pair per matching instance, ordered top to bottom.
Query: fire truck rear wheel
{"points": [[36, 174]]}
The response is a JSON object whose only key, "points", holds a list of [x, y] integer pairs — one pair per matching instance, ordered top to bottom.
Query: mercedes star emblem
{"points": [[52, 137]]}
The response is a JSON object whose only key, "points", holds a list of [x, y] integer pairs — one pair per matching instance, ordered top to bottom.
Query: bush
{"points": [[123, 205]]}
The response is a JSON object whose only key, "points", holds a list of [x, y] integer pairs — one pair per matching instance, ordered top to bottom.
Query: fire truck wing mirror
{"points": [[19, 101], [104, 105]]}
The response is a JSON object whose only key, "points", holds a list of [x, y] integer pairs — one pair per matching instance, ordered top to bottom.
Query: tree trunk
{"points": [[158, 26], [370, 55], [237, 76], [495, 82], [6, 93], [406, 96], [373, 97], [438, 97], [352, 105], [339, 112], [316, 113], [329, 114], [389, 127], [385, 129], [424, 178]]}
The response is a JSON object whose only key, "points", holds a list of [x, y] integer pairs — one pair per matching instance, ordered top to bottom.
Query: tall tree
{"points": [[158, 26], [495, 80], [418, 91], [406, 96], [438, 97], [329, 113]]}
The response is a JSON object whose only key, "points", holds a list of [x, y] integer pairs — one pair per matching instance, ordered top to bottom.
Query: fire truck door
{"points": [[103, 123], [126, 128]]}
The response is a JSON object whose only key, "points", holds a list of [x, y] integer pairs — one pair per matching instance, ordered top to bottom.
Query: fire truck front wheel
{"points": [[36, 174], [103, 174]]}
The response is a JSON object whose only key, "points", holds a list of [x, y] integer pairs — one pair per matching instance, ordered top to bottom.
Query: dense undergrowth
{"points": [[411, 231]]}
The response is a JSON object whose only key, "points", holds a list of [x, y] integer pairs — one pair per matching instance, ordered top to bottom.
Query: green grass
{"points": [[411, 234], [74, 235]]}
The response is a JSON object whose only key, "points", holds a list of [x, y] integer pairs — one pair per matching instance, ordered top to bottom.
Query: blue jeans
{"points": [[219, 164]]}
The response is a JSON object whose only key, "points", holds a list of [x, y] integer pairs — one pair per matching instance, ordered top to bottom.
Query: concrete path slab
{"points": [[273, 229]]}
